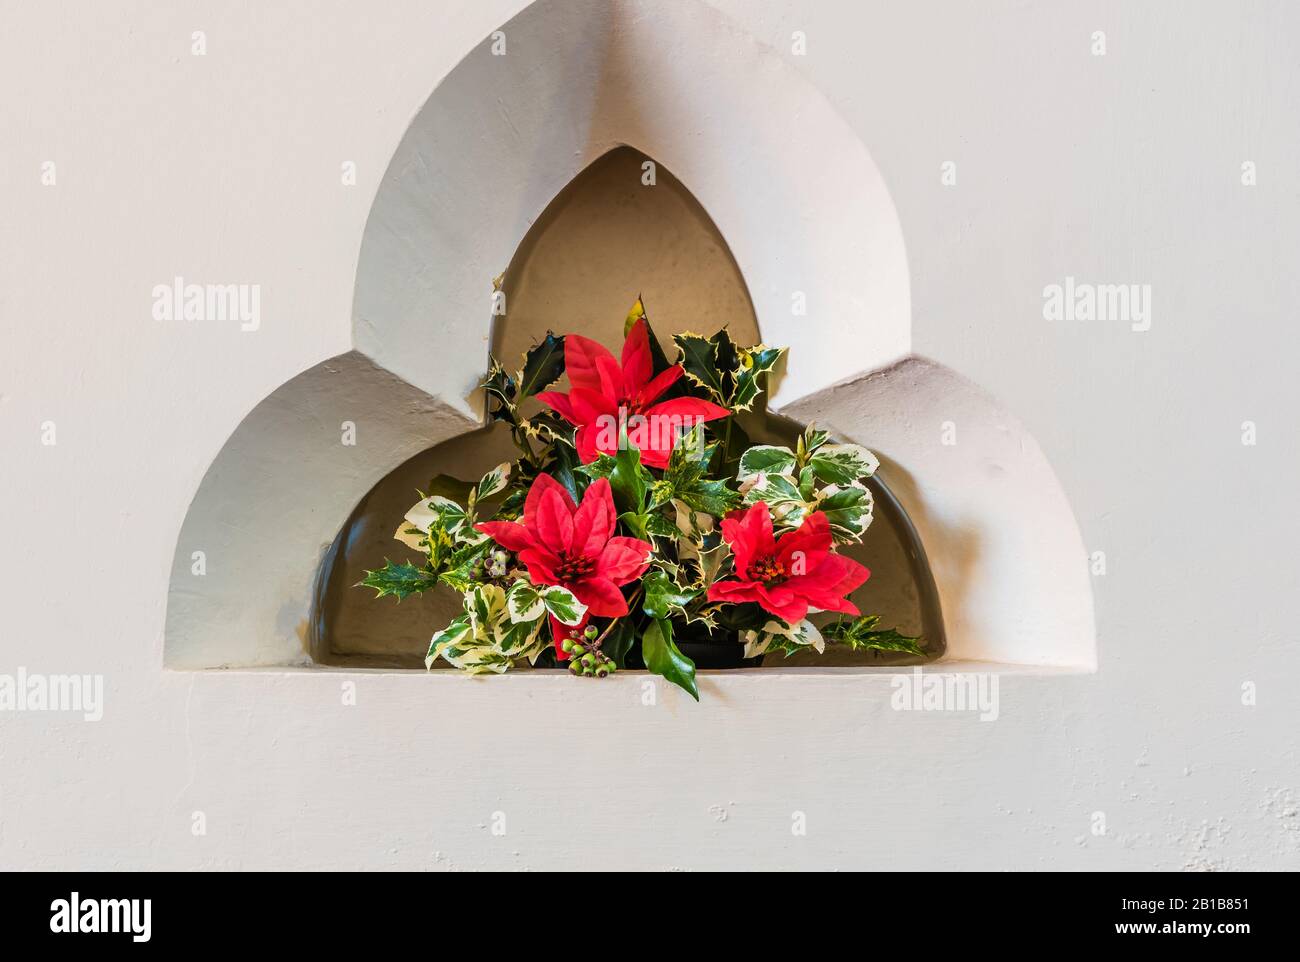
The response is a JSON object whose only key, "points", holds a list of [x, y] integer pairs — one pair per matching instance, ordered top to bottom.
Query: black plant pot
{"points": [[717, 649]]}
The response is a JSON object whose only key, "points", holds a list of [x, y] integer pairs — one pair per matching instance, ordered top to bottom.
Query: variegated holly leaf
{"points": [[754, 362], [543, 365], [765, 459], [843, 463], [494, 481], [782, 496], [848, 509], [443, 512], [400, 580], [663, 596], [563, 605], [776, 635], [451, 643]]}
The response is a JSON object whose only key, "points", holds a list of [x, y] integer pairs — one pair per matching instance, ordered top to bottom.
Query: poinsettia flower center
{"points": [[574, 567], [767, 571]]}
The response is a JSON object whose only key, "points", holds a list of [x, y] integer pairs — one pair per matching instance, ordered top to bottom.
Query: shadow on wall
{"points": [[607, 237]]}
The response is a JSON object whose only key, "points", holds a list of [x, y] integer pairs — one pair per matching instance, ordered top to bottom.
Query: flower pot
{"points": [[717, 649]]}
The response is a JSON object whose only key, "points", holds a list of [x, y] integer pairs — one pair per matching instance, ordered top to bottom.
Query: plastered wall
{"points": [[225, 167]]}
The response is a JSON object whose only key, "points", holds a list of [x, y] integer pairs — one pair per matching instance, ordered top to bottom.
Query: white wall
{"points": [[225, 168]]}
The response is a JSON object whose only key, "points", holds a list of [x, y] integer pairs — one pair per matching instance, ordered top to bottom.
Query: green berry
{"points": [[591, 632], [566, 644], [578, 648], [589, 659], [601, 671]]}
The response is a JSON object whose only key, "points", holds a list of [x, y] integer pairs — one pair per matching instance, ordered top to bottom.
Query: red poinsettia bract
{"points": [[603, 392], [574, 546], [790, 574]]}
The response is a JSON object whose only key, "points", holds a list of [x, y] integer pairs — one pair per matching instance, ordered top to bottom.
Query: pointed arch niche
{"points": [[563, 116]]}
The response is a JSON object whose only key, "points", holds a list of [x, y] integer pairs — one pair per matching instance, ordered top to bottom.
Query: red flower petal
{"points": [[580, 357], [638, 362], [611, 380], [662, 382], [561, 404], [590, 406], [689, 410], [585, 441], [542, 484], [594, 521], [553, 526], [508, 534], [750, 537], [806, 547], [624, 559], [541, 565], [826, 586], [733, 592], [601, 596], [782, 602]]}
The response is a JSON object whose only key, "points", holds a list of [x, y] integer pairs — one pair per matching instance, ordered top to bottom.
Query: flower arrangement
{"points": [[638, 513]]}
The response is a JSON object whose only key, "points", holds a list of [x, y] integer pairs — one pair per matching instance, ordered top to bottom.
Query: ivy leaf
{"points": [[543, 365], [849, 511], [400, 580], [662, 594], [524, 603], [663, 658]]}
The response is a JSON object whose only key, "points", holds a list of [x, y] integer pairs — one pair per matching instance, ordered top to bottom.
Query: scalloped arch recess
{"points": [[804, 211]]}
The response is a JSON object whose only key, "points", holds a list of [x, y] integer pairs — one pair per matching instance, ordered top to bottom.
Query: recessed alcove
{"points": [[778, 217], [607, 237]]}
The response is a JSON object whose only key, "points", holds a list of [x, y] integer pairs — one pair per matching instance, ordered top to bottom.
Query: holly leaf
{"points": [[699, 358], [754, 362], [543, 365], [501, 392], [842, 463], [399, 580], [662, 594], [861, 634], [663, 658]]}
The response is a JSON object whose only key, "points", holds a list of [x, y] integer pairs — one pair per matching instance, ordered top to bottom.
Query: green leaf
{"points": [[699, 358], [754, 362], [543, 365], [501, 393], [766, 459], [843, 463], [629, 480], [494, 481], [849, 511], [463, 567], [400, 580], [662, 594], [524, 603], [563, 604], [862, 634], [619, 641], [451, 642], [663, 658]]}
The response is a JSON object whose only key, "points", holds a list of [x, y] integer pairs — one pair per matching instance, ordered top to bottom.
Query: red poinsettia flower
{"points": [[604, 393], [574, 546], [790, 574]]}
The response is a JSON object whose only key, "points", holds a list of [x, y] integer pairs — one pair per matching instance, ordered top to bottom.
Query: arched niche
{"points": [[809, 222], [608, 236]]}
